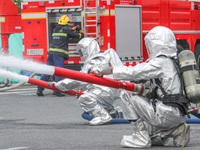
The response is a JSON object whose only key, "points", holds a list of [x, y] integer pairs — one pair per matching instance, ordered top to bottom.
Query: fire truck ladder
{"points": [[92, 20]]}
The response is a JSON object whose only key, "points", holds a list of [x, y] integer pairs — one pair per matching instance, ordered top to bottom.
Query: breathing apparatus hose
{"points": [[15, 85]]}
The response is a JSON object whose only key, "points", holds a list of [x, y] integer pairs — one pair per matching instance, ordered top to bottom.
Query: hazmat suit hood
{"points": [[160, 41], [87, 47]]}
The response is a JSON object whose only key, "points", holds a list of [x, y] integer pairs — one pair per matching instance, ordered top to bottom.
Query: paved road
{"points": [[55, 123]]}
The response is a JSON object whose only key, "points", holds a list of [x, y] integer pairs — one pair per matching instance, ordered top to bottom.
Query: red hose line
{"points": [[76, 75], [52, 87]]}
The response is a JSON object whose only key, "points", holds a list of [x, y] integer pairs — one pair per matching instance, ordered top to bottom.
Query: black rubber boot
{"points": [[40, 93], [58, 94]]}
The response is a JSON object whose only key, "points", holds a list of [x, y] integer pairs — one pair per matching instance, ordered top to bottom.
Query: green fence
{"points": [[15, 49]]}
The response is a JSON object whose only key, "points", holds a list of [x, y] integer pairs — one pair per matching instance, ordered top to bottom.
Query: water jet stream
{"points": [[10, 61]]}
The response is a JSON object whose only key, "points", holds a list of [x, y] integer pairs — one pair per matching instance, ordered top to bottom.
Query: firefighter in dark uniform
{"points": [[58, 51]]}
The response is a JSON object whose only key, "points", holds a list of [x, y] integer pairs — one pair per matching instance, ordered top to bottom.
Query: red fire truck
{"points": [[117, 24]]}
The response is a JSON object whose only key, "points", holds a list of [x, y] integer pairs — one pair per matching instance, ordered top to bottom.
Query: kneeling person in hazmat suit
{"points": [[97, 100], [159, 117]]}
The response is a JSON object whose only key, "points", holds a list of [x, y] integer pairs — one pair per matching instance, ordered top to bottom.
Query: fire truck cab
{"points": [[117, 24]]}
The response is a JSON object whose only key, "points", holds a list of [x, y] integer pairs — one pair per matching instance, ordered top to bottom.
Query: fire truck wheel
{"points": [[179, 48], [197, 54], [13, 86]]}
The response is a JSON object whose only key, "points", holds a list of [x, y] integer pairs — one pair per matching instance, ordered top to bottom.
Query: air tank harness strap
{"points": [[187, 68], [176, 100]]}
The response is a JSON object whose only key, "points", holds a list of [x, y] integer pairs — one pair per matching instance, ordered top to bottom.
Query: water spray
{"points": [[8, 61], [22, 78]]}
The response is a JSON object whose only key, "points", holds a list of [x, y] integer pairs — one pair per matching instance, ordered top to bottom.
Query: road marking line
{"points": [[22, 89], [26, 91], [9, 93], [16, 148]]}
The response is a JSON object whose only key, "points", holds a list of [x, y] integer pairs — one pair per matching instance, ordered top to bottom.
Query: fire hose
{"points": [[62, 72], [67, 73], [26, 79], [13, 86], [51, 86], [70, 92]]}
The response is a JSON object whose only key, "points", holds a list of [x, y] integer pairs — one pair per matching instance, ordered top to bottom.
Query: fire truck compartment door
{"points": [[54, 13], [128, 31]]}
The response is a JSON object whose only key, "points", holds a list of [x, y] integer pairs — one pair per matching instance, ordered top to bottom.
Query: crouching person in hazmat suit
{"points": [[97, 100], [157, 121]]}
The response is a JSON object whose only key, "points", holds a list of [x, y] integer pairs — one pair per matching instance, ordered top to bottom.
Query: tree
{"points": [[18, 4]]}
